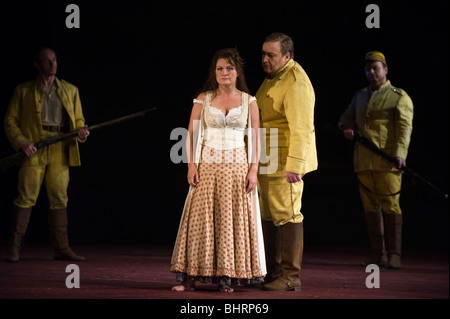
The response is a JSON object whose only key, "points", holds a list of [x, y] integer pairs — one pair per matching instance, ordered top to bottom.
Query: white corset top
{"points": [[225, 132]]}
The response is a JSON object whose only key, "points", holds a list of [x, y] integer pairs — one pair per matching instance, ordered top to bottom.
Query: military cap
{"points": [[375, 56]]}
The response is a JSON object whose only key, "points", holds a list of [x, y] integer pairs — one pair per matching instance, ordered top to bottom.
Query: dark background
{"points": [[132, 55]]}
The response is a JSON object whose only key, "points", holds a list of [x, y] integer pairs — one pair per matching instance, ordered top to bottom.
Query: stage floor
{"points": [[142, 272]]}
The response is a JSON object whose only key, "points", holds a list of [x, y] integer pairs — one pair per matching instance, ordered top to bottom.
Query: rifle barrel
{"points": [[364, 141], [9, 161]]}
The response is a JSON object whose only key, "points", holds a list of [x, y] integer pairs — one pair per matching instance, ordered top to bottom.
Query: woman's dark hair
{"points": [[233, 57]]}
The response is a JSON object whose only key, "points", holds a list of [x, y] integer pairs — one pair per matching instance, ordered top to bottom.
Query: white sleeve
{"points": [[250, 100], [198, 101]]}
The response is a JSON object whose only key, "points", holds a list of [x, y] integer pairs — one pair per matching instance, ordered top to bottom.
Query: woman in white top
{"points": [[219, 237]]}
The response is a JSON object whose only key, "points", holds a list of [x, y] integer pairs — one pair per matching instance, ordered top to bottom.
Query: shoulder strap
{"points": [[208, 98], [245, 99], [245, 105], [200, 129], [250, 136]]}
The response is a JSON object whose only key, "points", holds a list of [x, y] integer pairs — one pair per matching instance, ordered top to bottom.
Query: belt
{"points": [[53, 128]]}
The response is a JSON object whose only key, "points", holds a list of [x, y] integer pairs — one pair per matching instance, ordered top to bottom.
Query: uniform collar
{"points": [[283, 70], [382, 88]]}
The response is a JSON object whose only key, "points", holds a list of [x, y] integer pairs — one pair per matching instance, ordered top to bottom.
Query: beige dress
{"points": [[219, 235]]}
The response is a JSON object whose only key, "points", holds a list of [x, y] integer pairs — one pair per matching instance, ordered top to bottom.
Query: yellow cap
{"points": [[375, 56]]}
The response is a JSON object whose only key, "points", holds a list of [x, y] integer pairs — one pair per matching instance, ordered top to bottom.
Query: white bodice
{"points": [[225, 131]]}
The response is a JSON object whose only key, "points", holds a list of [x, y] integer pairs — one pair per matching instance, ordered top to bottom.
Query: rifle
{"points": [[364, 141], [9, 161]]}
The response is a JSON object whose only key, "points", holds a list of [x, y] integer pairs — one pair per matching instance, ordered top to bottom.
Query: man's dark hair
{"points": [[286, 43], [37, 53]]}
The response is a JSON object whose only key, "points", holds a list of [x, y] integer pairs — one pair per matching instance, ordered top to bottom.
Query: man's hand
{"points": [[83, 133], [349, 134], [28, 148], [399, 162], [292, 177]]}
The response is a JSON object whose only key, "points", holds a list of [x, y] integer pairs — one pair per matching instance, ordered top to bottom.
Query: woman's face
{"points": [[226, 73]]}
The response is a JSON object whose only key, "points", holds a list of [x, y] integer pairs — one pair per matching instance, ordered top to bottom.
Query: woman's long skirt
{"points": [[217, 235]]}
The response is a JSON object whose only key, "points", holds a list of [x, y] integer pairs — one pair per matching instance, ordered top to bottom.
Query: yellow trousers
{"points": [[55, 173], [376, 191], [280, 201]]}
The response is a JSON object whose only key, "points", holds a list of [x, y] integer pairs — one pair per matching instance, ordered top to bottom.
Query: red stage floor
{"points": [[142, 272]]}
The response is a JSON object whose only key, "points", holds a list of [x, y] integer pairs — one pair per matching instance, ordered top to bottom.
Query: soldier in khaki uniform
{"points": [[286, 101], [40, 109], [383, 114]]}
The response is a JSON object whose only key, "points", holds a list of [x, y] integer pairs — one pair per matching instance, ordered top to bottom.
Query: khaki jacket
{"points": [[286, 102], [23, 117], [385, 118]]}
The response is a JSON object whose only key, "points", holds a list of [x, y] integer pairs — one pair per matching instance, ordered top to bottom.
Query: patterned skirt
{"points": [[217, 236]]}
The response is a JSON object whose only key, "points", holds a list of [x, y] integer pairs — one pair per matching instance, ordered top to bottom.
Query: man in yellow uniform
{"points": [[286, 100], [38, 110], [382, 114]]}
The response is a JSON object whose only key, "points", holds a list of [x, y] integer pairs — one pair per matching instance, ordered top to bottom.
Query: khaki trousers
{"points": [[55, 174], [380, 184], [280, 201]]}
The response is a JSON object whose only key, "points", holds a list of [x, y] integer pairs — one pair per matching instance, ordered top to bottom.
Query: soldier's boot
{"points": [[57, 219], [19, 224], [393, 226], [375, 228], [291, 239], [272, 247]]}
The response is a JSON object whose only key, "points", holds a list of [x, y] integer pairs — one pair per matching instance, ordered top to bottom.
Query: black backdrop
{"points": [[128, 56]]}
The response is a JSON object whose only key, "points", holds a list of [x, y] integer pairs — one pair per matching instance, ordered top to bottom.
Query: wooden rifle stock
{"points": [[9, 161]]}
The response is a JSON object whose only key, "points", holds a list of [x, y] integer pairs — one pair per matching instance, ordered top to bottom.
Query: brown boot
{"points": [[57, 220], [19, 224], [375, 228], [394, 239], [291, 240], [272, 247]]}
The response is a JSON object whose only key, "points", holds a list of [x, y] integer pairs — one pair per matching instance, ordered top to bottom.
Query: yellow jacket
{"points": [[286, 101], [23, 117], [383, 117]]}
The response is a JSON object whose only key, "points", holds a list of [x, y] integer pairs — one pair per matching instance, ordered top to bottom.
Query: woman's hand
{"points": [[192, 175], [251, 181]]}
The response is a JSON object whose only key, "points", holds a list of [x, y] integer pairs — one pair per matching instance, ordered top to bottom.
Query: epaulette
{"points": [[295, 71], [397, 90]]}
